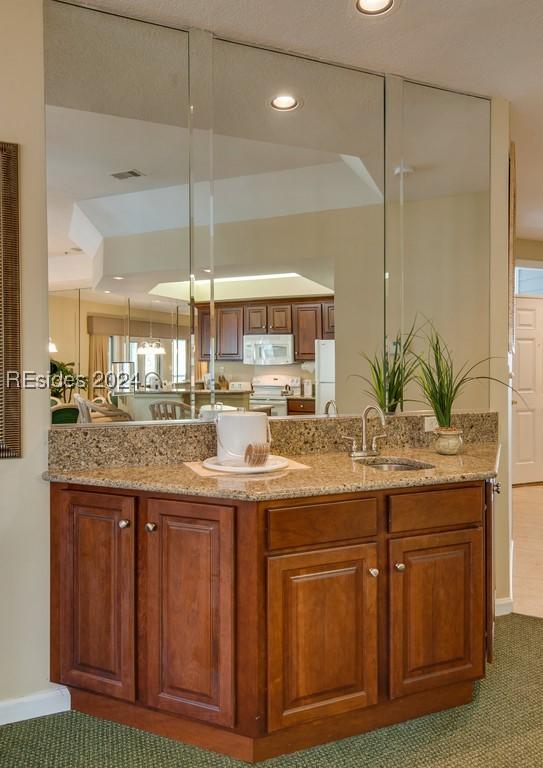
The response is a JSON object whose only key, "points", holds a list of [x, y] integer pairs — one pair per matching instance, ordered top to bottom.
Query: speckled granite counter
{"points": [[328, 473]]}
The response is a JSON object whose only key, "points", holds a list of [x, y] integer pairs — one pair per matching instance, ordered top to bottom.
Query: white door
{"points": [[528, 398]]}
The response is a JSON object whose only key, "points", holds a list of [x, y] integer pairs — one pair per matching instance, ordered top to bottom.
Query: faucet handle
{"points": [[375, 438], [354, 442]]}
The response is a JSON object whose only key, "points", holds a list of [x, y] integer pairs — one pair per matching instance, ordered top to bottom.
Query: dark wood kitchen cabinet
{"points": [[279, 318], [255, 319], [328, 320], [307, 326], [204, 333], [229, 333], [95, 598], [188, 607], [436, 610], [256, 628], [322, 634]]}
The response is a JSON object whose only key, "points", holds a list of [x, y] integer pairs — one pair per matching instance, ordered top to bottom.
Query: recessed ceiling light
{"points": [[374, 7], [284, 102], [206, 270], [118, 277], [107, 291]]}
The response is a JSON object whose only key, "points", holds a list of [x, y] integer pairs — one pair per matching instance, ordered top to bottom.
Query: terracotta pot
{"points": [[449, 441]]}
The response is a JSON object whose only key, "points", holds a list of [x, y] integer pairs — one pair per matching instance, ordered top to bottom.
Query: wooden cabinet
{"points": [[280, 318], [255, 319], [328, 320], [307, 321], [307, 326], [204, 333], [229, 333], [300, 406], [94, 603], [188, 609], [436, 610], [259, 627], [322, 634]]}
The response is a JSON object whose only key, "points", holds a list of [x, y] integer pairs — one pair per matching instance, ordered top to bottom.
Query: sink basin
{"points": [[394, 464]]}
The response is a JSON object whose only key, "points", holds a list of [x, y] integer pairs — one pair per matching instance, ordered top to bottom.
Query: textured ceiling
{"points": [[491, 47]]}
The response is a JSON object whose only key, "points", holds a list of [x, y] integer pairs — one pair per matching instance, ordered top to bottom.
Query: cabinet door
{"points": [[279, 318], [255, 319], [328, 320], [307, 328], [204, 333], [229, 333], [96, 601], [188, 610], [436, 611], [322, 634]]}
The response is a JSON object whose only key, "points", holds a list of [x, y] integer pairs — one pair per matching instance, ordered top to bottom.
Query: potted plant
{"points": [[391, 372], [64, 380], [441, 386]]}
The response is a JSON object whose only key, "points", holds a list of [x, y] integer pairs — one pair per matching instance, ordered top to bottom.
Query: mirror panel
{"points": [[118, 199], [438, 223], [298, 225]]}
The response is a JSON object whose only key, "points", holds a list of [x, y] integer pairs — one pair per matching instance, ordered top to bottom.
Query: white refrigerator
{"points": [[325, 373]]}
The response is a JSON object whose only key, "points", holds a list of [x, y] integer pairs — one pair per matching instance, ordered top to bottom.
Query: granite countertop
{"points": [[300, 397], [328, 473]]}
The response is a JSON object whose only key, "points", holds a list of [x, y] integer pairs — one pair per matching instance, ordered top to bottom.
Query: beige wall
{"points": [[528, 250], [500, 397], [24, 512]]}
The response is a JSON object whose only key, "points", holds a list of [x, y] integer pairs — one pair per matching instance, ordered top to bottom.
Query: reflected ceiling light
{"points": [[374, 7], [284, 102], [206, 270], [118, 277], [244, 278], [107, 291], [52, 347], [151, 348]]}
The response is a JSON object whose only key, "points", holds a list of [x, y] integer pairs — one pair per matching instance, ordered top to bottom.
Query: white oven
{"points": [[268, 350]]}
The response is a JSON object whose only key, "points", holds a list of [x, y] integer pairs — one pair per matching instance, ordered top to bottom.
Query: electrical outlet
{"points": [[430, 423]]}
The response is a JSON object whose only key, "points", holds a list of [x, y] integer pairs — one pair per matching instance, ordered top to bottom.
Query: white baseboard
{"points": [[503, 606], [37, 704]]}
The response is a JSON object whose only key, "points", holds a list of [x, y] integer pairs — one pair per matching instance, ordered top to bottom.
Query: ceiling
{"points": [[489, 47]]}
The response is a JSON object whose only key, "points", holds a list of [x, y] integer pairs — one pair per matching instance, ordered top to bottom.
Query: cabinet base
{"points": [[281, 742]]}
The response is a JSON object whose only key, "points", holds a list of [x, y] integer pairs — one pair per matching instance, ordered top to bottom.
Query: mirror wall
{"points": [[438, 224], [221, 252]]}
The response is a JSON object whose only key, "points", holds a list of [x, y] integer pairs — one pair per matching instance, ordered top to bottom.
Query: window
{"points": [[529, 281], [179, 361]]}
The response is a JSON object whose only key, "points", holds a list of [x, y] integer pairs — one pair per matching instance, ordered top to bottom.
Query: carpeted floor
{"points": [[503, 728]]}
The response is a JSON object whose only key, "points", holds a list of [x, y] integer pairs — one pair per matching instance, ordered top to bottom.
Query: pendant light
{"points": [[150, 347]]}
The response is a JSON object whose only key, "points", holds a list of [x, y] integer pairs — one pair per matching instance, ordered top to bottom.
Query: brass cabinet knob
{"points": [[124, 523], [150, 527], [400, 567], [374, 572]]}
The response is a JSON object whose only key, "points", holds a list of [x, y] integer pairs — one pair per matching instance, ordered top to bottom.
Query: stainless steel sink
{"points": [[394, 464]]}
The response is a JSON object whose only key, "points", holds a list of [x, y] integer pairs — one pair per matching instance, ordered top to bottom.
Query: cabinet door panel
{"points": [[280, 318], [255, 319], [328, 320], [307, 329], [229, 333], [204, 334], [97, 593], [189, 610], [436, 626], [322, 634]]}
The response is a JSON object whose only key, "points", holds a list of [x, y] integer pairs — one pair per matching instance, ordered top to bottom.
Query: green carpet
{"points": [[503, 728]]}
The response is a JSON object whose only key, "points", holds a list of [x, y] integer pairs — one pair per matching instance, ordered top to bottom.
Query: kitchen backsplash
{"points": [[139, 444]]}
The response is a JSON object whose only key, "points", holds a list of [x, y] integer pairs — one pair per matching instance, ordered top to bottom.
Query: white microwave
{"points": [[268, 350]]}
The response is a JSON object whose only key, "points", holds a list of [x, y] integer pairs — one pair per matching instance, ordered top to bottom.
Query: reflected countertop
{"points": [[326, 473]]}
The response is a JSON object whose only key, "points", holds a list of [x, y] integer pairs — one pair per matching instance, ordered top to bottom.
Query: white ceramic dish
{"points": [[272, 465]]}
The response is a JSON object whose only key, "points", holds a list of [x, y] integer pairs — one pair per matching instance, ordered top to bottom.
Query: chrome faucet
{"points": [[331, 404], [373, 451], [366, 452]]}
